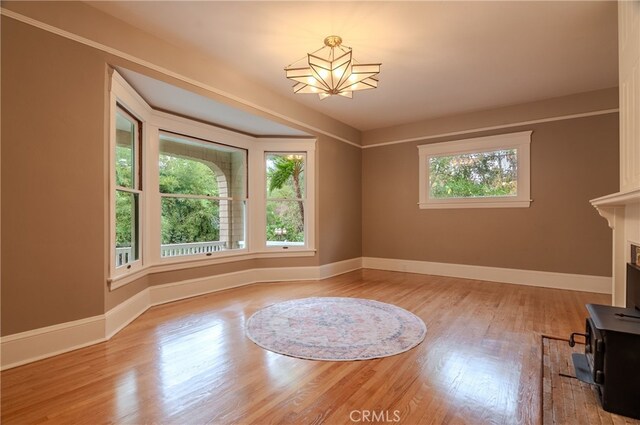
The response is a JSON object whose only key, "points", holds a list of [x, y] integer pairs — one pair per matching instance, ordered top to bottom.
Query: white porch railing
{"points": [[284, 243], [176, 249], [124, 254]]}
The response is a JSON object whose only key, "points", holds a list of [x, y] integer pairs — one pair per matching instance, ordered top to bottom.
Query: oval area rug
{"points": [[335, 329]]}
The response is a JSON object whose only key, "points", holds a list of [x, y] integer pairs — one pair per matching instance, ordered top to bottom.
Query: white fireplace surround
{"points": [[622, 209], [622, 212]]}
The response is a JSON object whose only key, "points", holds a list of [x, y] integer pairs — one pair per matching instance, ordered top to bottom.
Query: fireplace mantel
{"points": [[617, 199], [608, 205], [622, 212]]}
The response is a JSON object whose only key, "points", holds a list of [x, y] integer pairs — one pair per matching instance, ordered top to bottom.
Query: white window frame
{"points": [[122, 94], [153, 122], [190, 129], [520, 141], [307, 147], [244, 199]]}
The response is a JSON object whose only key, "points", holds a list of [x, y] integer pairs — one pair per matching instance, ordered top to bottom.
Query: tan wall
{"points": [[572, 161], [54, 179], [340, 209]]}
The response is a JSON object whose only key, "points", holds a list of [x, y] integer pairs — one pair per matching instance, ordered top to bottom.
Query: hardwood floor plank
{"points": [[189, 362]]}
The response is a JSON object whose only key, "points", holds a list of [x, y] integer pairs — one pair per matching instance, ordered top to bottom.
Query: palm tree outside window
{"points": [[286, 197]]}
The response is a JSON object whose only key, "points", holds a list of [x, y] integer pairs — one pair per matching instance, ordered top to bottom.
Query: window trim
{"points": [[123, 97], [153, 122], [521, 141], [285, 146], [136, 189], [292, 245]]}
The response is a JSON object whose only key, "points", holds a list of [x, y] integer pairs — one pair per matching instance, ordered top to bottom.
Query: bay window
{"points": [[187, 194]]}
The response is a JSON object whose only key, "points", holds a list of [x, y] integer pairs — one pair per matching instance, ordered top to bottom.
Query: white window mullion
{"points": [[310, 196], [152, 197], [211, 198], [257, 220]]}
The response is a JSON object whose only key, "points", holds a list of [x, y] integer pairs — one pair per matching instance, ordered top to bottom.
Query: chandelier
{"points": [[331, 70]]}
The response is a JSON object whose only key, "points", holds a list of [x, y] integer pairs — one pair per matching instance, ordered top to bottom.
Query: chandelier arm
{"points": [[316, 51], [303, 58], [295, 62]]}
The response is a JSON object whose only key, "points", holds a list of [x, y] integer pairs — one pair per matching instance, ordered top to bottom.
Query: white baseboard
{"points": [[333, 269], [574, 282], [190, 288], [169, 292], [123, 314], [37, 344], [26, 347]]}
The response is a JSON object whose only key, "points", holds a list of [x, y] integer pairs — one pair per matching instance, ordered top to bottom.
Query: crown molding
{"points": [[115, 52]]}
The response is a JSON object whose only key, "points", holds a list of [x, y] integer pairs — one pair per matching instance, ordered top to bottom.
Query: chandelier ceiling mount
{"points": [[333, 41]]}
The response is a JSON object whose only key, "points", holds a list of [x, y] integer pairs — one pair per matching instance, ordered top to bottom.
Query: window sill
{"points": [[473, 204], [187, 263], [122, 279]]}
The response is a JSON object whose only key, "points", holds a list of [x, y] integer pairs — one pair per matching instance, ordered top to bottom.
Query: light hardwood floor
{"points": [[189, 362]]}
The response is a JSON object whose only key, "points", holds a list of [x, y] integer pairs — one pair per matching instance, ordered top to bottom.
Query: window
{"points": [[485, 172], [128, 187], [203, 189], [188, 194], [285, 203]]}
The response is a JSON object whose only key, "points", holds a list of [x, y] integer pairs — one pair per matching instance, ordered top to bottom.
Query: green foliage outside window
{"points": [[474, 175], [285, 187], [125, 209], [183, 220], [186, 220]]}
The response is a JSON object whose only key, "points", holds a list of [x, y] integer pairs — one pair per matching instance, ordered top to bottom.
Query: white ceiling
{"points": [[438, 58], [166, 97]]}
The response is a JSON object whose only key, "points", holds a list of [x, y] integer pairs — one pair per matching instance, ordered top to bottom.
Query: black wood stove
{"points": [[611, 358]]}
